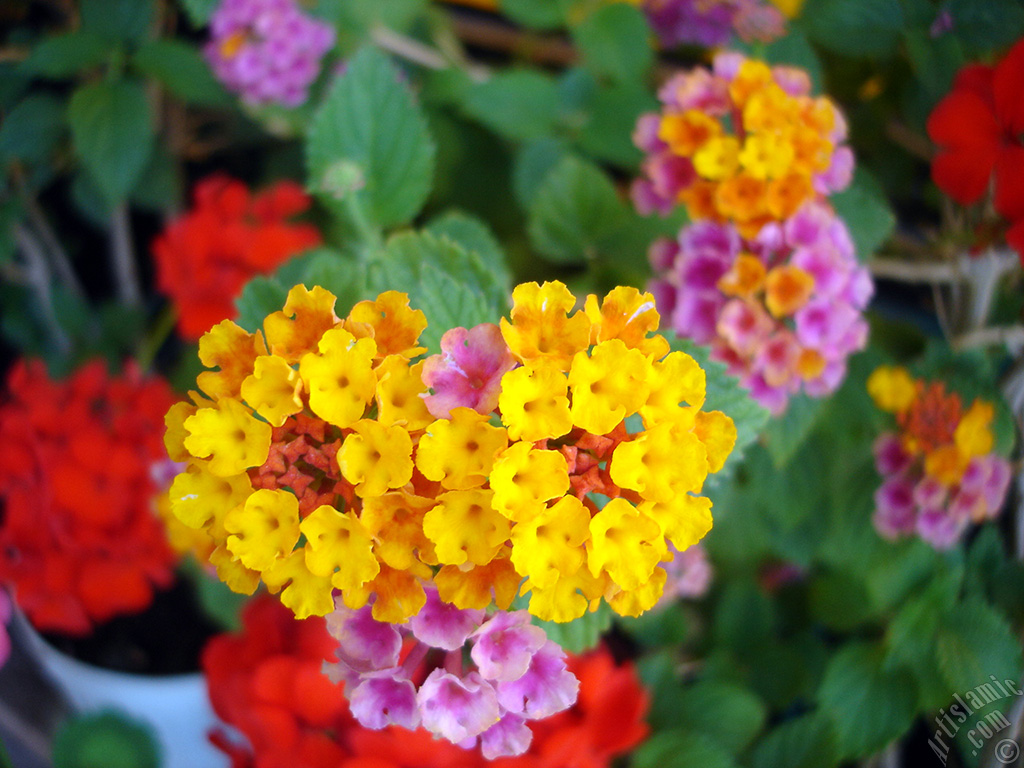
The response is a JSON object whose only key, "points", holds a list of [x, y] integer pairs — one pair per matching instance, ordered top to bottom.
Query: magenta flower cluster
{"points": [[711, 23], [267, 51], [774, 356], [468, 371], [910, 501], [688, 574], [512, 674]]}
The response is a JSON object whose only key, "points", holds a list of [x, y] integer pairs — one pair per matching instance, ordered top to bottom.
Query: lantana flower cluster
{"points": [[712, 23], [267, 51], [979, 129], [744, 143], [205, 257], [783, 309], [315, 465], [939, 468], [81, 541], [516, 674], [266, 683]]}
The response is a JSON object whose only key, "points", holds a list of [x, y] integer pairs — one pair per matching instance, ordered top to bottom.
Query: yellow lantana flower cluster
{"points": [[745, 143], [315, 466]]}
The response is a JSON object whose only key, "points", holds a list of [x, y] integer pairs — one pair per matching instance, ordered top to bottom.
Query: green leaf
{"points": [[200, 11], [539, 14], [356, 18], [118, 20], [987, 25], [855, 28], [615, 42], [794, 49], [67, 55], [935, 60], [181, 69], [517, 104], [614, 111], [370, 124], [30, 131], [112, 132], [533, 162], [161, 186], [866, 211], [575, 213], [476, 237], [452, 286], [260, 297], [726, 394], [786, 433], [840, 601], [664, 626], [579, 635], [975, 641], [868, 706], [728, 714], [107, 739], [803, 742], [681, 749]]}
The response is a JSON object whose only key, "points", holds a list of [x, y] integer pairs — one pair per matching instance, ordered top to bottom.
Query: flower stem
{"points": [[126, 271], [150, 346]]}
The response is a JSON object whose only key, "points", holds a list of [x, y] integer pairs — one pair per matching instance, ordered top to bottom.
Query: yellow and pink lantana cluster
{"points": [[314, 463]]}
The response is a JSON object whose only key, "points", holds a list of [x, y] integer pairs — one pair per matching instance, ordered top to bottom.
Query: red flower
{"points": [[979, 127], [206, 257], [80, 540], [266, 682]]}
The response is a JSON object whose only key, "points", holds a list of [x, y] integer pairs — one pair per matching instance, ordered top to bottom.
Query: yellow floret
{"points": [[298, 328], [541, 330], [340, 377], [608, 385], [892, 388], [272, 390], [534, 403], [231, 437], [460, 451], [375, 457], [524, 478], [465, 527], [264, 529], [624, 543], [550, 544], [338, 546]]}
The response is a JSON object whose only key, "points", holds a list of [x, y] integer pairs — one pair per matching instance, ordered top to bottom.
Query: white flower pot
{"points": [[176, 707]]}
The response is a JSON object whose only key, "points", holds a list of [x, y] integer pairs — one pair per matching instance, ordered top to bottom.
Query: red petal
{"points": [[976, 78], [1008, 90], [963, 117], [963, 173], [1010, 182], [1015, 238]]}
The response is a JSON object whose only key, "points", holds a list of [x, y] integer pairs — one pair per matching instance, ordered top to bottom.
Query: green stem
{"points": [[368, 234], [150, 346], [5, 759]]}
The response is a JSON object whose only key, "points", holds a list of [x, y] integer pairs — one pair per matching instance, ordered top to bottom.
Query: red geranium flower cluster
{"points": [[979, 128], [204, 258], [80, 539], [266, 682]]}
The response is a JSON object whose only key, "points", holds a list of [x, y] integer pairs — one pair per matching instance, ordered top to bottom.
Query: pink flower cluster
{"points": [[711, 23], [268, 51], [783, 310], [468, 371], [912, 501], [516, 674]]}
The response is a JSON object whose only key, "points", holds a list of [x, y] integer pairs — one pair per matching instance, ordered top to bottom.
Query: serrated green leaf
{"points": [[200, 11], [355, 18], [117, 20], [988, 25], [855, 27], [615, 42], [67, 55], [935, 60], [181, 69], [517, 104], [370, 123], [30, 131], [112, 132], [89, 200], [866, 211], [575, 213], [476, 237], [451, 285], [726, 394], [786, 433], [840, 601], [744, 616], [664, 626], [581, 634], [975, 641], [867, 705], [108, 738], [804, 742], [681, 749]]}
